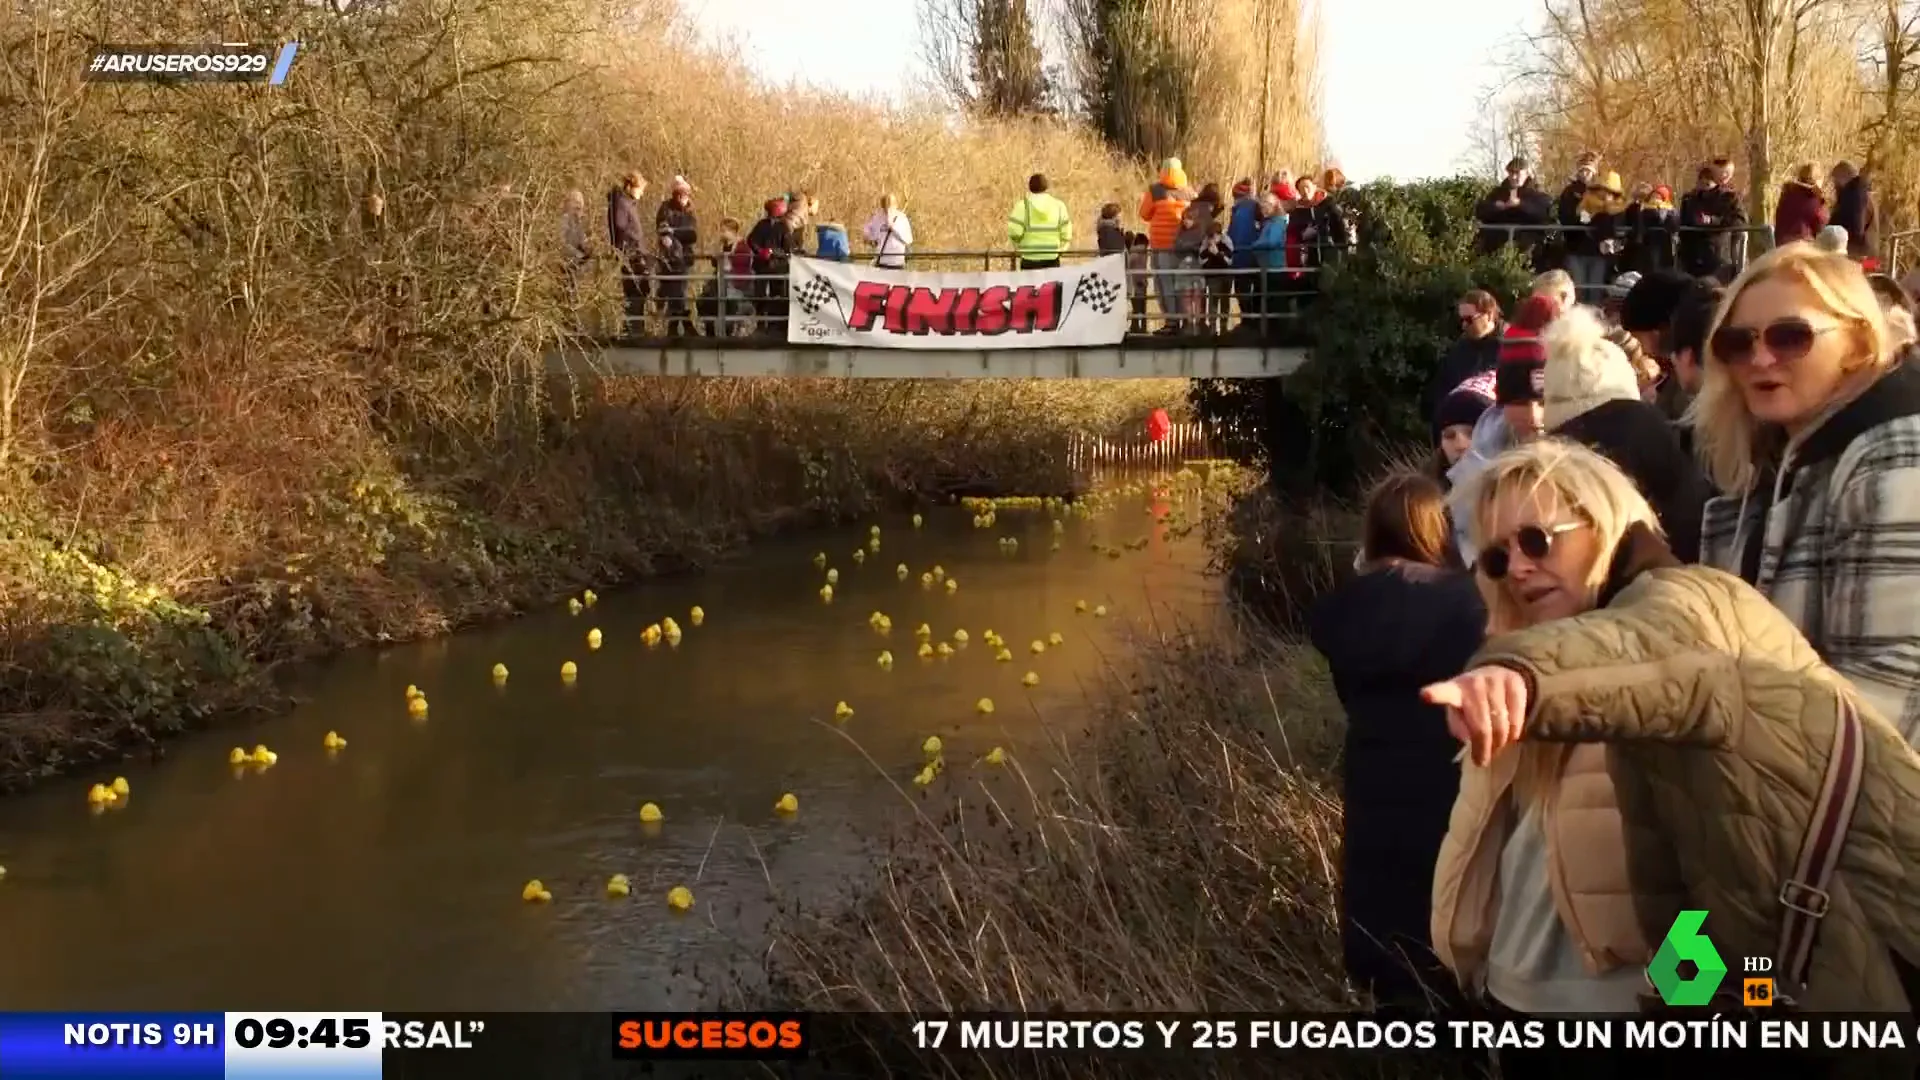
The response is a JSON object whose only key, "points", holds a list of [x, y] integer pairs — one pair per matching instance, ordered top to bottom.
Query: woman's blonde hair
{"points": [[1725, 434], [1560, 474], [1575, 480]]}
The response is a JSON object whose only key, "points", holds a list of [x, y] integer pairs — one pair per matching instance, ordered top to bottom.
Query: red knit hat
{"points": [[1243, 189], [1283, 190], [1534, 313], [1520, 375]]}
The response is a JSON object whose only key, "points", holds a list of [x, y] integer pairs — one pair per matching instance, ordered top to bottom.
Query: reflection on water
{"points": [[388, 875]]}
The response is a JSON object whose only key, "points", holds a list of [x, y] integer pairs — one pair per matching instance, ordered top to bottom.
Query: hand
{"points": [[1486, 708]]}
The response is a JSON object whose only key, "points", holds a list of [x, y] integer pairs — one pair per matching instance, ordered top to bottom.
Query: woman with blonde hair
{"points": [[890, 233], [1808, 419], [1647, 738]]}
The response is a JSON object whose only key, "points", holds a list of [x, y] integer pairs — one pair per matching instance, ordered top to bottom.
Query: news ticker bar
{"points": [[229, 62], [367, 1045]]}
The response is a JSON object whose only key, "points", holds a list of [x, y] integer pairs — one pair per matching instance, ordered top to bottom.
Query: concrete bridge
{"points": [[841, 320]]}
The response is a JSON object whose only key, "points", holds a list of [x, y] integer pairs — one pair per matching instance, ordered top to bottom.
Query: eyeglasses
{"points": [[1786, 340], [1534, 541]]}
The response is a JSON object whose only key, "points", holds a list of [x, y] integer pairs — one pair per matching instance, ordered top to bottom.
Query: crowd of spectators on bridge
{"points": [[1596, 229], [1195, 253], [1662, 579]]}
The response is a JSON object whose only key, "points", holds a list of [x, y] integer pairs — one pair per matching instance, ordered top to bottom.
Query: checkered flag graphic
{"points": [[1097, 292], [814, 295]]}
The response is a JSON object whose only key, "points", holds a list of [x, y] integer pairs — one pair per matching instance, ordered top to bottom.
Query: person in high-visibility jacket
{"points": [[1040, 227]]}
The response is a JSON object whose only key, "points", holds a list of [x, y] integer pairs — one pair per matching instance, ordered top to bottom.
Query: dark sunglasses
{"points": [[1786, 340], [1534, 541]]}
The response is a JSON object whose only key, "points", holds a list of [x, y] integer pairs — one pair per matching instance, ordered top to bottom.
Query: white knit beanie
{"points": [[1831, 238], [1584, 370]]}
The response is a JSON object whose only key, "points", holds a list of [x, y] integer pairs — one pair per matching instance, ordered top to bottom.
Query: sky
{"points": [[1403, 78]]}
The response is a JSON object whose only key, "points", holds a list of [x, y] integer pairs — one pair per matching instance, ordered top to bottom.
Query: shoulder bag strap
{"points": [[1804, 897]]}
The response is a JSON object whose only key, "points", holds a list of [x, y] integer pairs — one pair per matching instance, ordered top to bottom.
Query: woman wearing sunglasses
{"points": [[1809, 421], [1646, 738]]}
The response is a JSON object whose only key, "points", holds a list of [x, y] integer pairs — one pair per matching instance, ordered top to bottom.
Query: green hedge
{"points": [[1379, 324]]}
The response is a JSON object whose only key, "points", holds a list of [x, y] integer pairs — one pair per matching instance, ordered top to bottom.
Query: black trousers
{"points": [[1040, 264]]}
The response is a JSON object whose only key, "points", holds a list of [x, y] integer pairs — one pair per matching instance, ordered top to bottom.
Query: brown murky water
{"points": [[388, 875]]}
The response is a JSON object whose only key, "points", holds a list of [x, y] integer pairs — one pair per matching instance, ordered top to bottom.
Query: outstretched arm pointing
{"points": [[1486, 708]]}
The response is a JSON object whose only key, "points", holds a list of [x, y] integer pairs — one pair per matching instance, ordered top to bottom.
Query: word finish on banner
{"points": [[852, 306]]}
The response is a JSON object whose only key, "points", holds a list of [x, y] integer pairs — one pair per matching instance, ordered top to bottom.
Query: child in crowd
{"points": [[1110, 235], [831, 242], [1216, 257], [1139, 266], [736, 279], [1191, 288], [1456, 417]]}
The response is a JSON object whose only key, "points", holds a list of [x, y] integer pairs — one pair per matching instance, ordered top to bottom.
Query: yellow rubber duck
{"points": [[918, 521], [1059, 526], [874, 532], [873, 544], [1055, 546], [859, 556], [820, 560], [903, 572], [938, 573], [833, 577], [926, 581], [953, 585], [826, 593], [589, 598], [573, 606], [1100, 612], [697, 616], [924, 632], [673, 634], [651, 635], [960, 636], [989, 636], [593, 638], [1055, 639], [1037, 647], [943, 649], [925, 651], [1003, 656], [886, 659], [569, 670], [499, 673], [1030, 679], [414, 692], [417, 706], [984, 706], [842, 710], [333, 741], [933, 745], [237, 756], [264, 756], [996, 756], [925, 776], [120, 788], [99, 795], [788, 804], [650, 812], [3, 873], [617, 886], [535, 893], [679, 898]]}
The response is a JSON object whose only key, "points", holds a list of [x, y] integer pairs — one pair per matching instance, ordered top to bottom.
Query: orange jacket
{"points": [[1162, 206]]}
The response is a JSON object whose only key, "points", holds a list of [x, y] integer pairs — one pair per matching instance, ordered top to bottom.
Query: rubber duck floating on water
{"points": [[333, 741], [787, 804], [650, 813], [617, 886], [535, 893], [679, 898]]}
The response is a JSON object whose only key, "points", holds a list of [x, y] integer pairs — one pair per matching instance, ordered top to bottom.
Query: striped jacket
{"points": [[1832, 537]]}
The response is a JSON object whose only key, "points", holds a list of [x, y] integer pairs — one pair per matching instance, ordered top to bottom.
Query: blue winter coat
{"points": [[1242, 227], [832, 243], [1269, 247]]}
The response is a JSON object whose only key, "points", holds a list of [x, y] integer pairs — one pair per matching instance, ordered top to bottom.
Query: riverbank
{"points": [[142, 604]]}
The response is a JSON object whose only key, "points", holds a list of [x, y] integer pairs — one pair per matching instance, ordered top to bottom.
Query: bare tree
{"points": [[985, 55], [1894, 58], [1499, 132]]}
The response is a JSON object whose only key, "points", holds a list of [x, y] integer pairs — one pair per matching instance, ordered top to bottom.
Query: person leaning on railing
{"points": [[1040, 226]]}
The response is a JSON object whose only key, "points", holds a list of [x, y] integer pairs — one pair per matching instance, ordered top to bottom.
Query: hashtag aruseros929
{"points": [[181, 63]]}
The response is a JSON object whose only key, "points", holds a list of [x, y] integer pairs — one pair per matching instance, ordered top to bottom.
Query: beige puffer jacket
{"points": [[1723, 716]]}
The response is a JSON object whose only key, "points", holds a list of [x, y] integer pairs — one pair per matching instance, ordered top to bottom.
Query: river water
{"points": [[388, 875]]}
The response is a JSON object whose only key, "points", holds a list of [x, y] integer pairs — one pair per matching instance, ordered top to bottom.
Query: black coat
{"points": [[1533, 207], [1717, 210], [1853, 211], [1566, 212], [679, 232], [1649, 237], [1464, 359], [1646, 445], [1386, 633]]}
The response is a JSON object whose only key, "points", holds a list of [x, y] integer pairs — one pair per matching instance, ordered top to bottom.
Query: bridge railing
{"points": [[1654, 247], [1254, 304]]}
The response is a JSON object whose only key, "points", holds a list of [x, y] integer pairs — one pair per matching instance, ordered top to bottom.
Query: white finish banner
{"points": [[850, 305]]}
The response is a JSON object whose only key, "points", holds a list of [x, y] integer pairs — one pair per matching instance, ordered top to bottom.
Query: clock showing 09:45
{"points": [[346, 1046]]}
